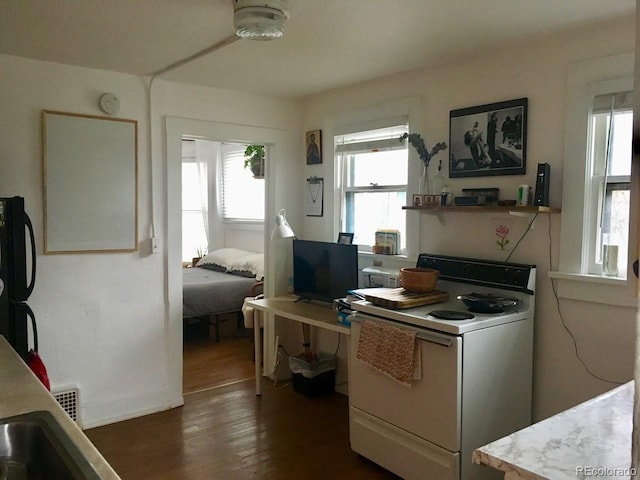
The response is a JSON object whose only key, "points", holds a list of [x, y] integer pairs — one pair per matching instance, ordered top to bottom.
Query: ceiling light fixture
{"points": [[259, 19]]}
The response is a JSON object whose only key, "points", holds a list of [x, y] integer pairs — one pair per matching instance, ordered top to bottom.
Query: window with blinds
{"points": [[374, 166], [608, 185], [242, 197]]}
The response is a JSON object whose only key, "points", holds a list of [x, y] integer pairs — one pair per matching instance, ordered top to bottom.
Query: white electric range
{"points": [[476, 381]]}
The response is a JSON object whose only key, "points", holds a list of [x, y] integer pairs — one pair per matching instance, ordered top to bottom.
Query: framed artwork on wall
{"points": [[488, 140], [314, 147], [314, 196]]}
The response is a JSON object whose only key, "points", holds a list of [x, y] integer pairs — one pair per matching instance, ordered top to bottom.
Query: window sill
{"points": [[369, 259], [584, 277], [616, 291]]}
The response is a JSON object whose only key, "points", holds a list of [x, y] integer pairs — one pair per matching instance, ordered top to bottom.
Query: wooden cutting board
{"points": [[399, 298]]}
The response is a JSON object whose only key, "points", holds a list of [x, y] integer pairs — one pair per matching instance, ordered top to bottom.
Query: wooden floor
{"points": [[207, 363], [223, 431]]}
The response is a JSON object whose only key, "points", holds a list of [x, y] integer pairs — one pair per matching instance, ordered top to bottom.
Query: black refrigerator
{"points": [[16, 284]]}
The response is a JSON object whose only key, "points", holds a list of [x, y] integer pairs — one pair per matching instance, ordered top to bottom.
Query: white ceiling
{"points": [[327, 43]]}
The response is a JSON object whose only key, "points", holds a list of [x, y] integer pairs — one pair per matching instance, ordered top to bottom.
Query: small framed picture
{"points": [[314, 147], [417, 200], [427, 200], [437, 200], [344, 237]]}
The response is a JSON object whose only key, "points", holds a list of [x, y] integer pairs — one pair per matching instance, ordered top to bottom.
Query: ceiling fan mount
{"points": [[260, 19]]}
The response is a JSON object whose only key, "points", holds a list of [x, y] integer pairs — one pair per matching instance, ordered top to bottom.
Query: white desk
{"points": [[300, 311]]}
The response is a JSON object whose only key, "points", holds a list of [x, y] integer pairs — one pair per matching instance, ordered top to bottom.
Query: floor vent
{"points": [[70, 403]]}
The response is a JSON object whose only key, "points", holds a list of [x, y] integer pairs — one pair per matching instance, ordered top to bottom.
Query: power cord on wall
{"points": [[522, 236], [555, 294], [564, 325]]}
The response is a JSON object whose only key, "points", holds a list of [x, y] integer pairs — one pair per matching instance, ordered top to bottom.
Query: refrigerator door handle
{"points": [[32, 283], [34, 327]]}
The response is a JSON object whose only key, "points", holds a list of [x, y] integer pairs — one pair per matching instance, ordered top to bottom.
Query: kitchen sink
{"points": [[34, 446]]}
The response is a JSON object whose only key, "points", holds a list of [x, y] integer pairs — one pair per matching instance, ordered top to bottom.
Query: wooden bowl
{"points": [[419, 280]]}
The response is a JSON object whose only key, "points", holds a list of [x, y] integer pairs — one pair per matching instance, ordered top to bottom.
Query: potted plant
{"points": [[254, 160], [200, 252]]}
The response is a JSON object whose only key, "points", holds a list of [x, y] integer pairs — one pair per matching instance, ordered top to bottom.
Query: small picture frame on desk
{"points": [[345, 237]]}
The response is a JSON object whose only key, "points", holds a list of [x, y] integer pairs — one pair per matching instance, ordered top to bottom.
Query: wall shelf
{"points": [[437, 210], [529, 212]]}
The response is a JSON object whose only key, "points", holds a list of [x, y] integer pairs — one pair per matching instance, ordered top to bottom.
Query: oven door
{"points": [[431, 407]]}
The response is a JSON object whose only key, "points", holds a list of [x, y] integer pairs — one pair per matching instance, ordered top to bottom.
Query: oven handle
{"points": [[433, 339], [443, 340]]}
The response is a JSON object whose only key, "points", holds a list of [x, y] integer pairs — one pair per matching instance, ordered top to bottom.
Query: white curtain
{"points": [[203, 157]]}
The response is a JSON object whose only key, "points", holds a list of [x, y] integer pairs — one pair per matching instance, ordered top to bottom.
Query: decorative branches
{"points": [[417, 142]]}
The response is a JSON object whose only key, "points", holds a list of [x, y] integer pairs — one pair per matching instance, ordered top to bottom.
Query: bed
{"points": [[219, 283]]}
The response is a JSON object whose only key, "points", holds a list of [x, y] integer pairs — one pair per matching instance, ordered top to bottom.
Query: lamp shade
{"points": [[282, 228]]}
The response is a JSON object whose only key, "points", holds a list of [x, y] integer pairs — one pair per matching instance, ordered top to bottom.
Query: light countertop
{"points": [[22, 392], [590, 440]]}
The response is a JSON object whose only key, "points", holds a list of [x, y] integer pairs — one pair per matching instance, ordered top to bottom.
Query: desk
{"points": [[300, 311]]}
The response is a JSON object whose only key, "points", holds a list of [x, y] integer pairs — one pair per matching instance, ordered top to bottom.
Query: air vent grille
{"points": [[69, 401]]}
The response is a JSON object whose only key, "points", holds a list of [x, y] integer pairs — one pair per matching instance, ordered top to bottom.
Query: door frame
{"points": [[175, 130]]}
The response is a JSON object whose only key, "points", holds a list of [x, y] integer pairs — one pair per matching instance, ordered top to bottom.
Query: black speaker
{"points": [[541, 196]]}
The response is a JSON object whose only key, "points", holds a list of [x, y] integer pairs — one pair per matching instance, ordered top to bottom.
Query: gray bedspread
{"points": [[206, 292]]}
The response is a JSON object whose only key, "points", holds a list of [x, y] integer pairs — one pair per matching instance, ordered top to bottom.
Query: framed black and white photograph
{"points": [[488, 139], [345, 237]]}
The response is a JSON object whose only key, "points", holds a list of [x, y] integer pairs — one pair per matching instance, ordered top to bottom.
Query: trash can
{"points": [[315, 378]]}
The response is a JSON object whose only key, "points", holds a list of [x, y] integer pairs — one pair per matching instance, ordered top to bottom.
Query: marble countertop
{"points": [[22, 392], [589, 441]]}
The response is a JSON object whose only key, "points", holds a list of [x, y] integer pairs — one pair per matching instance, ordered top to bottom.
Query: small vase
{"points": [[423, 186]]}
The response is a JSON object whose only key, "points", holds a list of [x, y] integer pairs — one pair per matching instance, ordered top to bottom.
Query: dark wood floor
{"points": [[208, 364], [224, 431]]}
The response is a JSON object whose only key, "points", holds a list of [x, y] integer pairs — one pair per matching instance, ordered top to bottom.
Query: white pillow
{"points": [[225, 257], [254, 263]]}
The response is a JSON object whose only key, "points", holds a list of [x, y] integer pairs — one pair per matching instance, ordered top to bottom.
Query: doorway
{"points": [[176, 130], [223, 206]]}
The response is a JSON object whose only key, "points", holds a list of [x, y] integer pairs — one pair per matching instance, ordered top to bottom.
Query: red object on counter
{"points": [[37, 367]]}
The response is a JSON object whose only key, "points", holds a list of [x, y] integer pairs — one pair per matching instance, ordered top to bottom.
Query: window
{"points": [[374, 177], [595, 186], [608, 186], [242, 195], [194, 203]]}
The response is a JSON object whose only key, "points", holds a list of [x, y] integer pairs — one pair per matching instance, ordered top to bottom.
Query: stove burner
{"points": [[452, 315]]}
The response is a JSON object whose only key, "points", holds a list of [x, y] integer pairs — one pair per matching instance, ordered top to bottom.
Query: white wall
{"points": [[538, 71], [103, 319]]}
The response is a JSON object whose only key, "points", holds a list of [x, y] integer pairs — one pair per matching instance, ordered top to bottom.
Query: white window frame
{"points": [[584, 80], [370, 118], [342, 157], [595, 178]]}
